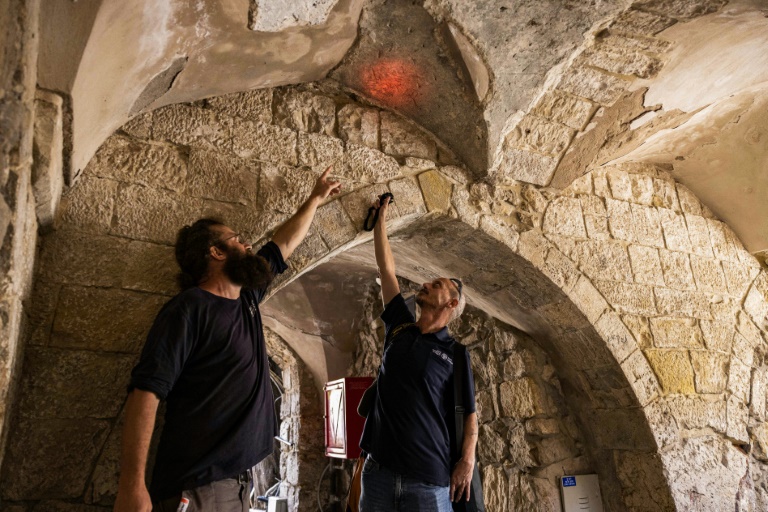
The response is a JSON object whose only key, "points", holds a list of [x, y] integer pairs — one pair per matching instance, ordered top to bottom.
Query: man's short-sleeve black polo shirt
{"points": [[407, 430]]}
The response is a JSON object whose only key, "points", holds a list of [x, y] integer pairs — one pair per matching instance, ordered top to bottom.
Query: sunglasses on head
{"points": [[458, 284]]}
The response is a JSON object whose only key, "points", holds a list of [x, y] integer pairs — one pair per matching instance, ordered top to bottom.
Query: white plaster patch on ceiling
{"points": [[277, 15], [156, 18], [202, 27], [121, 46], [294, 48], [324, 55], [714, 56], [473, 62], [278, 77], [643, 119], [721, 154], [303, 304], [323, 361]]}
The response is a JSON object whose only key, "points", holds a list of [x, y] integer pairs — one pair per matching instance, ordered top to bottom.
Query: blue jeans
{"points": [[386, 491]]}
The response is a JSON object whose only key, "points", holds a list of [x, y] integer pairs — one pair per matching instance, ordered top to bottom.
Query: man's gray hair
{"points": [[459, 309]]}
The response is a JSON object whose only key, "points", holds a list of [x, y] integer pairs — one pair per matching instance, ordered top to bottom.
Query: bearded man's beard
{"points": [[248, 270], [420, 296]]}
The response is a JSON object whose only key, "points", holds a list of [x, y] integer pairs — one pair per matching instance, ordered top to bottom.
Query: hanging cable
{"points": [[319, 482]]}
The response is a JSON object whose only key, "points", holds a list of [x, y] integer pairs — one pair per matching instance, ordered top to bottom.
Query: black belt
{"points": [[244, 477]]}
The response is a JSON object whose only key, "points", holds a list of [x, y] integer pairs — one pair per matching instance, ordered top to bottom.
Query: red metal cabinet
{"points": [[343, 426]]}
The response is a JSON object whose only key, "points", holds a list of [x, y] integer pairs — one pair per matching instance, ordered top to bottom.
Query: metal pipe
{"points": [[284, 441]]}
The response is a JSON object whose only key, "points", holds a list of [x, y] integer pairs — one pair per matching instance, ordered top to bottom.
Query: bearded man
{"points": [[205, 356]]}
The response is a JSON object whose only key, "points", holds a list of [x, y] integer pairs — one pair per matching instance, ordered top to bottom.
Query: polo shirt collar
{"points": [[442, 335]]}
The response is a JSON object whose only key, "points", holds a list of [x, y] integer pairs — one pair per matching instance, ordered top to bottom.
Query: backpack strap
{"points": [[397, 330], [459, 362], [369, 396]]}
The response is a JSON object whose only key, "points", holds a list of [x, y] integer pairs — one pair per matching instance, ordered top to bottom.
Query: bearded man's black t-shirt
{"points": [[206, 357]]}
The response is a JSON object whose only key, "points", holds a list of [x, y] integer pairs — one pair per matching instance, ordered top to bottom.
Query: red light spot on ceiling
{"points": [[394, 82]]}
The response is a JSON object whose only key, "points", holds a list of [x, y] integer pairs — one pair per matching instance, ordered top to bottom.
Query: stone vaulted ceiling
{"points": [[116, 59], [480, 75], [570, 143]]}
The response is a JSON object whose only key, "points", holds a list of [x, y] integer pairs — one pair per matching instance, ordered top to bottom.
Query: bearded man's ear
{"points": [[217, 253]]}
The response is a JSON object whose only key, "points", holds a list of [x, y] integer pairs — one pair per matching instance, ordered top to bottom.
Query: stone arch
{"points": [[111, 254], [503, 283], [674, 297]]}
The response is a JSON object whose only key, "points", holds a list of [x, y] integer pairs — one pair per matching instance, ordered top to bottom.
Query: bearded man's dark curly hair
{"points": [[193, 245]]}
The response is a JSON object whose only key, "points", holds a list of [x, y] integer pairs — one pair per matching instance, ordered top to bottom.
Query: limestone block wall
{"points": [[554, 140], [18, 225], [679, 280], [681, 306], [528, 437]]}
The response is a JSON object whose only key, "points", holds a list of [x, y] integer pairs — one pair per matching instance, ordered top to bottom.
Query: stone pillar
{"points": [[47, 169]]}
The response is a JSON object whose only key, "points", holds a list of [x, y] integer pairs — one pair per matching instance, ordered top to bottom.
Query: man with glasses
{"points": [[206, 357], [407, 432]]}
